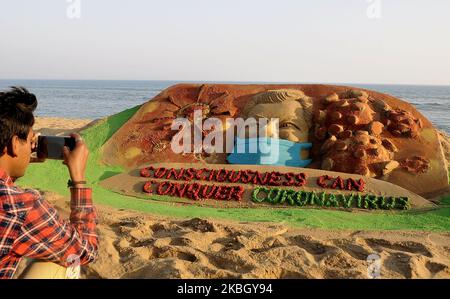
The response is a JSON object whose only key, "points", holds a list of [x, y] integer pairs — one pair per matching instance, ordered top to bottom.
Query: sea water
{"points": [[94, 99]]}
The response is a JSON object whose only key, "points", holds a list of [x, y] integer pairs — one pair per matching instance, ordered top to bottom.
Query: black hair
{"points": [[16, 114]]}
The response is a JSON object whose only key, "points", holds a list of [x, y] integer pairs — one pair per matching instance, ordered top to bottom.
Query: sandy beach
{"points": [[137, 245]]}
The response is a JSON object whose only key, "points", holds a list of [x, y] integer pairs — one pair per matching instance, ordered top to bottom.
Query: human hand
{"points": [[34, 144], [76, 159]]}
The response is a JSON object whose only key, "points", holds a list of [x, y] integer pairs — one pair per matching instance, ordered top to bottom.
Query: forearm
{"points": [[84, 219], [46, 236]]}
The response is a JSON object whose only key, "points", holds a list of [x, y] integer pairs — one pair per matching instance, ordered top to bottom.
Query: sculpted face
{"points": [[291, 107], [293, 125]]}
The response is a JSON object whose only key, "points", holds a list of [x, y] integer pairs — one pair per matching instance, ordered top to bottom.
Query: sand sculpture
{"points": [[291, 106], [352, 130]]}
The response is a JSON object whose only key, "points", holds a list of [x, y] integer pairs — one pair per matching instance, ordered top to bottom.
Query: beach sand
{"points": [[60, 126], [137, 245]]}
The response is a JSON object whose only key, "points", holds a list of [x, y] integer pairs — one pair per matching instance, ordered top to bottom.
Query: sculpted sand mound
{"points": [[354, 131]]}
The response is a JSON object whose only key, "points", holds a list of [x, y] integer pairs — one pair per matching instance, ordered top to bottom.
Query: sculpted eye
{"points": [[259, 115], [289, 125]]}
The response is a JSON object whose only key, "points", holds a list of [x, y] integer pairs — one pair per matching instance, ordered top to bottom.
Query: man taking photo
{"points": [[29, 226]]}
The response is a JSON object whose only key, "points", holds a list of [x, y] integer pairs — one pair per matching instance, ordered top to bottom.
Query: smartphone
{"points": [[51, 147]]}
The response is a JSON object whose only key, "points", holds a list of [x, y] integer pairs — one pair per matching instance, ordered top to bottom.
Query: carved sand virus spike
{"points": [[334, 97], [188, 110], [402, 123], [160, 146], [415, 164]]}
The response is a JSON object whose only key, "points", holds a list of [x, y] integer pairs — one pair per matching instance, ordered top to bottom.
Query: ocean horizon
{"points": [[93, 99]]}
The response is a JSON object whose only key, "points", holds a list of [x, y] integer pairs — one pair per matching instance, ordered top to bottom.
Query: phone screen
{"points": [[51, 147]]}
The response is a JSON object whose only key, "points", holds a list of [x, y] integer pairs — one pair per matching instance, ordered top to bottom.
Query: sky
{"points": [[316, 41]]}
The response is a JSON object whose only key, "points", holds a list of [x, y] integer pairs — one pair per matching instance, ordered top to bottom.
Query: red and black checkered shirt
{"points": [[31, 227]]}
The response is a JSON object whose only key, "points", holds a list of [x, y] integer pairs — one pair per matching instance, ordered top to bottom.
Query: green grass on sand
{"points": [[53, 175]]}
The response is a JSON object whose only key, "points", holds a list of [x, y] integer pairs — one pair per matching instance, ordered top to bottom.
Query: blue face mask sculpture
{"points": [[293, 110], [268, 151]]}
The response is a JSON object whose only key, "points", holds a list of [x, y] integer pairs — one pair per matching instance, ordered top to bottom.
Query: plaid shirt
{"points": [[31, 227]]}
